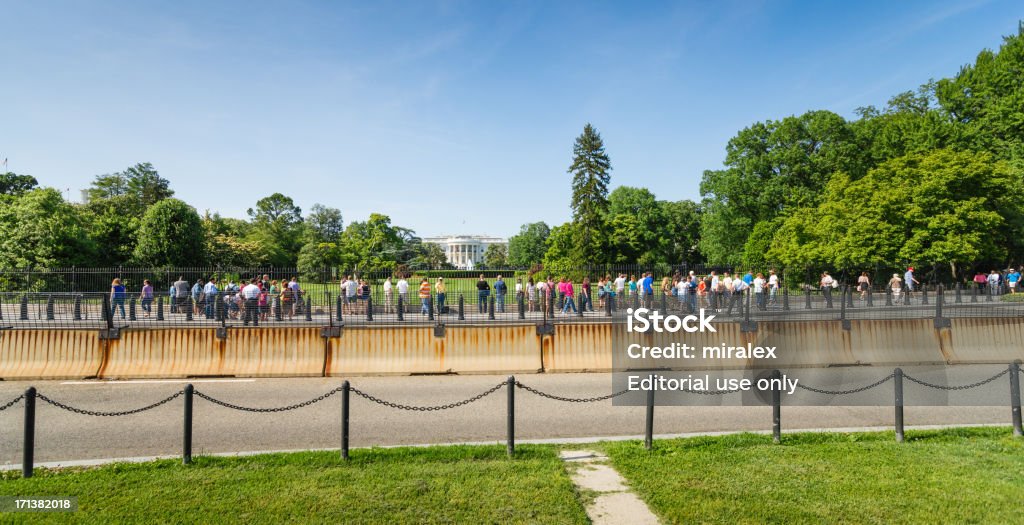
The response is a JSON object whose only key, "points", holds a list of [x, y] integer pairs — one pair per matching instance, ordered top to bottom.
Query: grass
{"points": [[948, 476], [456, 484]]}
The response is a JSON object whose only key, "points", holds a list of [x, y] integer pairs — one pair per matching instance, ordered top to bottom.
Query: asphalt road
{"points": [[65, 436]]}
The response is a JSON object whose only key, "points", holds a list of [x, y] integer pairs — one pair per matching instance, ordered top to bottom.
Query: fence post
{"points": [[959, 294], [807, 298], [522, 306], [159, 307], [23, 308], [49, 308], [401, 308], [462, 308], [490, 308], [309, 309], [369, 309], [131, 310], [108, 315], [897, 377], [345, 389], [1015, 398], [777, 407], [649, 424], [186, 439], [511, 444], [29, 446]]}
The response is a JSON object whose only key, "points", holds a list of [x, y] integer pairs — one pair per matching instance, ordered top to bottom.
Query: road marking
{"points": [[144, 381]]}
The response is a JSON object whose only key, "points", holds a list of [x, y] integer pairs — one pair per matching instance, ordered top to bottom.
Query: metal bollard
{"points": [[848, 290], [991, 292], [974, 293], [924, 294], [959, 294], [870, 296], [888, 296], [785, 298], [807, 298], [608, 299], [664, 302], [842, 303], [938, 303], [522, 307], [551, 307], [580, 307], [23, 308], [49, 308], [160, 308], [430, 308], [462, 308], [490, 308], [309, 309], [369, 309], [401, 309], [2, 310], [131, 310], [188, 312], [279, 315], [108, 316], [339, 316], [897, 377], [345, 389], [1015, 398], [777, 408], [649, 423], [186, 435], [511, 443], [29, 446]]}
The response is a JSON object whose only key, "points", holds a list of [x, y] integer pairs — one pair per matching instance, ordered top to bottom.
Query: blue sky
{"points": [[450, 117]]}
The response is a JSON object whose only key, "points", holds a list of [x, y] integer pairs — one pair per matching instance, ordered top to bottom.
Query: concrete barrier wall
{"points": [[281, 352], [49, 354]]}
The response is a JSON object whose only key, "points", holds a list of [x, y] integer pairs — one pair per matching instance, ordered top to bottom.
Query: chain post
{"points": [[462, 307], [746, 313], [107, 315], [897, 376], [346, 388], [1015, 398], [777, 407], [649, 423], [186, 440], [511, 444], [29, 446]]}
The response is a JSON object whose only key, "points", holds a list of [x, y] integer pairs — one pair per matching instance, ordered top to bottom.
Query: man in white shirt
{"points": [[620, 284], [773, 286], [351, 289], [342, 290], [403, 291], [713, 292], [251, 294], [387, 295]]}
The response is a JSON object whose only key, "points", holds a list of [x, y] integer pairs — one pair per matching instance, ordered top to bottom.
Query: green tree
{"points": [[590, 177], [141, 182], [14, 184], [324, 224], [113, 226], [278, 226], [40, 230], [171, 234], [681, 239], [374, 244], [527, 247], [230, 251], [430, 256], [496, 256], [314, 257]]}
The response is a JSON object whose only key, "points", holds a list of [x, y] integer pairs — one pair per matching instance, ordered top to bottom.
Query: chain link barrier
{"points": [[960, 387], [846, 392], [570, 399], [13, 402], [225, 404], [413, 408], [84, 412]]}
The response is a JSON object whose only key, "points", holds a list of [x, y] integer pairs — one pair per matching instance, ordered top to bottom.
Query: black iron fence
{"points": [[381, 307], [189, 393]]}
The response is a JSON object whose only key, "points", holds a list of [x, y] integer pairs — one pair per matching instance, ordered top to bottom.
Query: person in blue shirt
{"points": [[748, 278], [1012, 279], [910, 282], [648, 287], [500, 289], [210, 292], [117, 295]]}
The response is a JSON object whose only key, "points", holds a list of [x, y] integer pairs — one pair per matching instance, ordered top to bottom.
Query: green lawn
{"points": [[948, 476], [457, 484]]}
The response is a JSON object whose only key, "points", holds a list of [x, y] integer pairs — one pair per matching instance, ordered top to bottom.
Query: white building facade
{"points": [[465, 251]]}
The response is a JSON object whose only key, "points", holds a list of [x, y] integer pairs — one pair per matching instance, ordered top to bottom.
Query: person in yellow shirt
{"points": [[439, 289], [425, 296]]}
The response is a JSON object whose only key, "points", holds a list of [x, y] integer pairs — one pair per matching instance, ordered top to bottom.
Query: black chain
{"points": [[961, 387], [711, 392], [845, 392], [570, 399], [12, 403], [399, 406], [265, 410], [109, 414]]}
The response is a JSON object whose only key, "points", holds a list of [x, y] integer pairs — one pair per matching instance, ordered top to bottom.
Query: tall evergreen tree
{"points": [[590, 167]]}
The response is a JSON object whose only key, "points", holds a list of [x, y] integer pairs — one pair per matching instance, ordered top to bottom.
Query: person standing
{"points": [[1012, 278], [993, 282], [827, 283], [863, 284], [620, 285], [895, 286], [773, 287], [500, 289], [566, 289], [519, 290], [343, 291], [483, 291], [210, 292], [295, 292], [403, 292], [442, 293], [181, 294], [352, 294], [531, 294], [542, 294], [759, 294], [117, 295], [251, 295], [713, 295], [364, 296], [425, 296], [146, 297], [197, 297], [388, 297], [585, 301]]}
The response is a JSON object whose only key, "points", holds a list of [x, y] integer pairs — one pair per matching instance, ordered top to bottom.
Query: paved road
{"points": [[63, 436]]}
